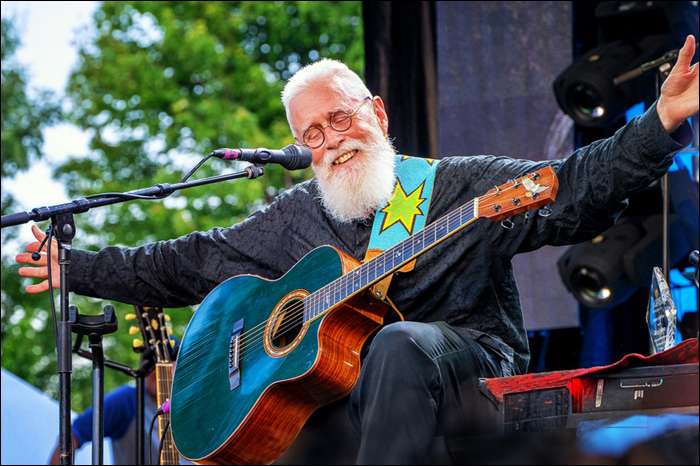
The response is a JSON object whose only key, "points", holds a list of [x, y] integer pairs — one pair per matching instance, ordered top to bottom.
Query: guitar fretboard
{"points": [[387, 262], [164, 376]]}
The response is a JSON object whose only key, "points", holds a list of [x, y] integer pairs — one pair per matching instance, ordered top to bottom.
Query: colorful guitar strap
{"points": [[404, 214]]}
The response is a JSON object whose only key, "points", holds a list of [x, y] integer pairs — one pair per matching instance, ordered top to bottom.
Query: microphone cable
{"points": [[150, 436], [162, 437]]}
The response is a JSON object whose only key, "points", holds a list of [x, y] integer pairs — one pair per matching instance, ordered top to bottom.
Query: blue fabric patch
{"points": [[119, 412]]}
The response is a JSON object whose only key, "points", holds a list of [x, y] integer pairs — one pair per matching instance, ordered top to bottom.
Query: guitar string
{"points": [[444, 221], [354, 283], [316, 297], [291, 315], [253, 335], [164, 377], [165, 387], [167, 439], [173, 455], [167, 457]]}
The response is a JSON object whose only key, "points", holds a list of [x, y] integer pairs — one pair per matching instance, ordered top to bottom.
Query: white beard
{"points": [[350, 194]]}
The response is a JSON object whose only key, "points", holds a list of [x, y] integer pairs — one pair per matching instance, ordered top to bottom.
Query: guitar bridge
{"points": [[234, 352]]}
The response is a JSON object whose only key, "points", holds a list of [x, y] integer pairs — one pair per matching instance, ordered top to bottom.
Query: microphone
{"points": [[290, 157]]}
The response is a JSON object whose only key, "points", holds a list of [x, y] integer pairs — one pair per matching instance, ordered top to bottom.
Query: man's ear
{"points": [[380, 111]]}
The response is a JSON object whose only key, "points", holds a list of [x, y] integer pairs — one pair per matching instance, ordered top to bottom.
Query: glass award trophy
{"points": [[661, 313]]}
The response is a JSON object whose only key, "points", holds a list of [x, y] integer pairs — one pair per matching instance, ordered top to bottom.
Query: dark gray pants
{"points": [[419, 381]]}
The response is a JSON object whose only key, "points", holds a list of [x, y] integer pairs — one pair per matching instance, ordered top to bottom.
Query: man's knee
{"points": [[403, 335]]}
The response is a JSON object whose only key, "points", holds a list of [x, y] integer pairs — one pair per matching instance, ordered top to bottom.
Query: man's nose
{"points": [[333, 138]]}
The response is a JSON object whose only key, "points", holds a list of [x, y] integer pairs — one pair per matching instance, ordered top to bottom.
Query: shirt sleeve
{"points": [[596, 181], [594, 184], [183, 271], [119, 411]]}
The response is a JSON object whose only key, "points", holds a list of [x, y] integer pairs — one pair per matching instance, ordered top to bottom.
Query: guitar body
{"points": [[280, 382]]}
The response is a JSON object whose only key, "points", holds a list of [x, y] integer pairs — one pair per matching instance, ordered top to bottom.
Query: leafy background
{"points": [[158, 84]]}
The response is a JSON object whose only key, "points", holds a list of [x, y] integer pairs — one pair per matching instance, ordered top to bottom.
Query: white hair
{"points": [[328, 73]]}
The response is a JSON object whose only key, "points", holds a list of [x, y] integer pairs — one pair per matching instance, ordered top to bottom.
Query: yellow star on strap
{"points": [[406, 157], [403, 208]]}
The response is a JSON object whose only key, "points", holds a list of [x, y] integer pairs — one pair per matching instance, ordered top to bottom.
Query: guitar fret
{"points": [[309, 304]]}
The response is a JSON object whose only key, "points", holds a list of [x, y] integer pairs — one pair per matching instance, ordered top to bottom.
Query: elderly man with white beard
{"points": [[461, 306]]}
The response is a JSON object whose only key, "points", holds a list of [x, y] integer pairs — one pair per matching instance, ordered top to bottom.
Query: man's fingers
{"points": [[686, 54], [38, 234], [34, 246], [31, 247], [26, 258], [39, 268], [34, 272], [39, 288]]}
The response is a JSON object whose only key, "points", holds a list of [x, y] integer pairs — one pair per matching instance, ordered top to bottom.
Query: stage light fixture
{"points": [[630, 35], [606, 270], [598, 272]]}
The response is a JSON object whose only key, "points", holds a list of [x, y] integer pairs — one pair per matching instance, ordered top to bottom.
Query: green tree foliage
{"points": [[160, 85], [22, 117], [25, 328]]}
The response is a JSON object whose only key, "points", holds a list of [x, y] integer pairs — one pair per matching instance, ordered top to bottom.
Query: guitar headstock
{"points": [[526, 193], [155, 329]]}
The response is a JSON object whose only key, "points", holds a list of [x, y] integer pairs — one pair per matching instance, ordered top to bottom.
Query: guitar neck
{"points": [[526, 193], [389, 261], [164, 377]]}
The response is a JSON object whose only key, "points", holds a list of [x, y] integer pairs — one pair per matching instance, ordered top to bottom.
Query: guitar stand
{"points": [[94, 327]]}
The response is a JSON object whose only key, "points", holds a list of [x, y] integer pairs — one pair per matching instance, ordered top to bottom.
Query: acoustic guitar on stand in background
{"points": [[155, 327]]}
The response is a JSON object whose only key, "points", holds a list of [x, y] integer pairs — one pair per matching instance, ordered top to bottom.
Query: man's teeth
{"points": [[345, 158]]}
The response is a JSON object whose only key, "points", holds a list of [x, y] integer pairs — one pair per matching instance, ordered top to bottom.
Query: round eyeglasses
{"points": [[341, 121]]}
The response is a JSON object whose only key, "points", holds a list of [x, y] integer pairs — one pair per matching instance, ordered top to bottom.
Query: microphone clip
{"points": [[255, 171]]}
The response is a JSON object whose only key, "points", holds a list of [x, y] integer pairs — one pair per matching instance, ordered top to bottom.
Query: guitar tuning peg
{"points": [[545, 211], [507, 224], [130, 316], [166, 317], [154, 324], [133, 330], [169, 330], [137, 343], [172, 343]]}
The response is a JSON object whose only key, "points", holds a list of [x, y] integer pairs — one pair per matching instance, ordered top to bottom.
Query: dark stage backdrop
{"points": [[496, 63]]}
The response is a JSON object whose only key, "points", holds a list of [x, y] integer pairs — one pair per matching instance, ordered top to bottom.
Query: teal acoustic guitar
{"points": [[259, 356]]}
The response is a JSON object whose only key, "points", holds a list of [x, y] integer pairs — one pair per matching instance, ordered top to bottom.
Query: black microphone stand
{"points": [[662, 68], [63, 227], [94, 327], [147, 365]]}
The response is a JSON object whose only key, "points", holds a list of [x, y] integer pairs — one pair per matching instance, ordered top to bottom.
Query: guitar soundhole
{"points": [[288, 323]]}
